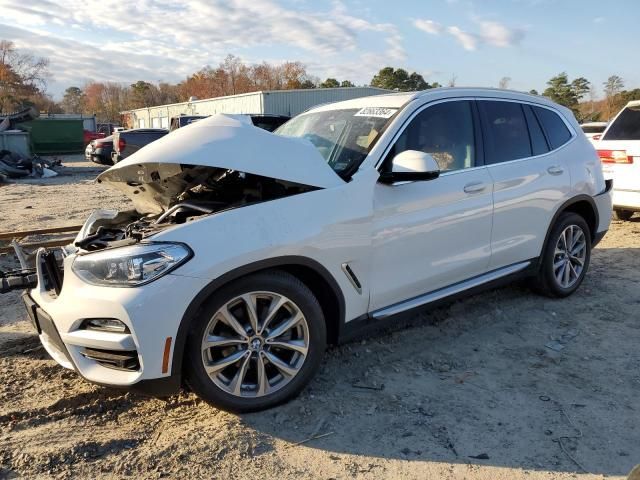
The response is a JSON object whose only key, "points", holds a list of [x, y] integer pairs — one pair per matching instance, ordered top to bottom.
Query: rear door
{"points": [[619, 151], [530, 178]]}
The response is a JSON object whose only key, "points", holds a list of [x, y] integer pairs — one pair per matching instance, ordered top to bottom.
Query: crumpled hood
{"points": [[151, 176]]}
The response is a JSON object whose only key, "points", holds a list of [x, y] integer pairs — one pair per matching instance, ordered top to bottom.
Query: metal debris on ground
{"points": [[14, 165], [558, 343], [368, 387], [310, 438], [482, 456]]}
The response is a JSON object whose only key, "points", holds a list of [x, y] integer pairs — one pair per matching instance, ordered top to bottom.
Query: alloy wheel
{"points": [[570, 256], [255, 344]]}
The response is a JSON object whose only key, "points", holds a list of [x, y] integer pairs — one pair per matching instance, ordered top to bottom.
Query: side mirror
{"points": [[411, 166]]}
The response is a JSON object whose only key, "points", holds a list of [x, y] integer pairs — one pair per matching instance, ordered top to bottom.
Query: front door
{"points": [[431, 234]]}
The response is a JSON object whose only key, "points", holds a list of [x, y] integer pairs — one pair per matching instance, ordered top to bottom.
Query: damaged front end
{"points": [[216, 164], [168, 195]]}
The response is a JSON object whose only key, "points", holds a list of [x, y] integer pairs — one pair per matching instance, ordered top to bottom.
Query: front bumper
{"points": [[140, 358]]}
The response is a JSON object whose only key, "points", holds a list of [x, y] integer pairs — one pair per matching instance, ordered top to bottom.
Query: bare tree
{"points": [[22, 77], [452, 80], [504, 82], [612, 88]]}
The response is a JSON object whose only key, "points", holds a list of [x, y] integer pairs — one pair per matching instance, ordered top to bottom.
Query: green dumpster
{"points": [[50, 136]]}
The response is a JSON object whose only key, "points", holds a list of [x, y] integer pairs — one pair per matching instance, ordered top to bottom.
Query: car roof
{"points": [[398, 100], [594, 124]]}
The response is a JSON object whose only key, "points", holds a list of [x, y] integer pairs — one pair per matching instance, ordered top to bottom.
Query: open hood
{"points": [[153, 176]]}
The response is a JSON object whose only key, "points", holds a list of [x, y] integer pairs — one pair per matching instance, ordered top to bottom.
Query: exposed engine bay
{"points": [[189, 193]]}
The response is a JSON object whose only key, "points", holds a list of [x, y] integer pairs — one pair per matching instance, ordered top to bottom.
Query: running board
{"points": [[427, 298]]}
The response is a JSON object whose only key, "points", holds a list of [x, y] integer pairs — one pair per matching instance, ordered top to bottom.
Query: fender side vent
{"points": [[352, 277]]}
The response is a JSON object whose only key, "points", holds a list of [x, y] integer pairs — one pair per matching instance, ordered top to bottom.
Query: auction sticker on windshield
{"points": [[379, 112]]}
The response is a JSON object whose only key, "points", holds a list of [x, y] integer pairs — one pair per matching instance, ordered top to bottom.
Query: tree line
{"points": [[23, 83], [579, 96]]}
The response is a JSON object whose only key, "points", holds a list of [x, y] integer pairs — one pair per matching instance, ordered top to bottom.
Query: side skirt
{"points": [[402, 313]]}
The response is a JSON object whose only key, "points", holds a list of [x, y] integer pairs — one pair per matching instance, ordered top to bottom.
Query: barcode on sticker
{"points": [[379, 112]]}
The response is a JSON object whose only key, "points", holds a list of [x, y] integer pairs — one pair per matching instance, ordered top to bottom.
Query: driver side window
{"points": [[444, 131]]}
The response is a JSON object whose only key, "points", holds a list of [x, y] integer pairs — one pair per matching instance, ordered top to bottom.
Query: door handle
{"points": [[555, 170], [474, 187]]}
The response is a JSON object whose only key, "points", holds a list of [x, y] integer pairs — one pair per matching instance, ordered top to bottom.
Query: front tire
{"points": [[624, 215], [566, 256], [255, 343]]}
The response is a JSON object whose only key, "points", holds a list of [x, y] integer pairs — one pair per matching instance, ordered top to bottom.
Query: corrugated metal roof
{"points": [[336, 91], [279, 102]]}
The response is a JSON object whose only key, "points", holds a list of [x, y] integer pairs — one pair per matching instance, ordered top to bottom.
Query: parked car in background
{"points": [[184, 120], [265, 121], [108, 128], [593, 130], [88, 136], [129, 141], [126, 142], [99, 151], [619, 151], [249, 251]]}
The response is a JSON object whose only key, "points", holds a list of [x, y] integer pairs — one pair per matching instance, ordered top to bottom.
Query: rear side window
{"points": [[626, 126], [505, 130], [557, 132], [538, 141]]}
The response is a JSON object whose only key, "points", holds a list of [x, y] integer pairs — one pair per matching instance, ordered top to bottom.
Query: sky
{"points": [[477, 42]]}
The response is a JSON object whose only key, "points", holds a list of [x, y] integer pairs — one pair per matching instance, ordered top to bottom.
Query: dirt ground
{"points": [[471, 390]]}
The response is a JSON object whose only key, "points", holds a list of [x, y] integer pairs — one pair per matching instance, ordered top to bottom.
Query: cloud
{"points": [[429, 26], [490, 32], [499, 35], [122, 41], [469, 41]]}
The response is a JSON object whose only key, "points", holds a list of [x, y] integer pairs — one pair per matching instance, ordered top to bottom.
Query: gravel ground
{"points": [[469, 391]]}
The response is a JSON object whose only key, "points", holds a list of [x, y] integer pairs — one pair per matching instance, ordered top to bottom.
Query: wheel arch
{"points": [[584, 206], [308, 271]]}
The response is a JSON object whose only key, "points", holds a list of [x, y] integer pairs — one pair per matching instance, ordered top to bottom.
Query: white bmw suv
{"points": [[248, 252]]}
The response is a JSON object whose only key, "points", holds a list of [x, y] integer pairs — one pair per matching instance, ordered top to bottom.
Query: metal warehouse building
{"points": [[275, 102]]}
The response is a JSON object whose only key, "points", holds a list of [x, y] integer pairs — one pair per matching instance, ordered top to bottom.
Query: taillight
{"points": [[121, 144], [614, 156]]}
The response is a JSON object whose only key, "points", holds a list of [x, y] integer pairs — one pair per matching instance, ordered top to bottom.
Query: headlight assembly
{"points": [[130, 266]]}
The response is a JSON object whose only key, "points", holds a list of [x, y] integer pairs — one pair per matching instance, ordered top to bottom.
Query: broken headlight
{"points": [[130, 266]]}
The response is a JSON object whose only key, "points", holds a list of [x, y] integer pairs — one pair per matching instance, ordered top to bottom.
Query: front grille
{"points": [[117, 359]]}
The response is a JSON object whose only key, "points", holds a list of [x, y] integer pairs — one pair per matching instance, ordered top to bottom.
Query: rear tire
{"points": [[623, 215], [565, 258], [269, 331]]}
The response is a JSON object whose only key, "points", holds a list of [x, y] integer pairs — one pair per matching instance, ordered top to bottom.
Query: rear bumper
{"points": [[626, 200], [604, 206]]}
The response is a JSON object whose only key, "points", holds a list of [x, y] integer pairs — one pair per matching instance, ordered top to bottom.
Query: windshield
{"points": [[626, 126], [343, 137]]}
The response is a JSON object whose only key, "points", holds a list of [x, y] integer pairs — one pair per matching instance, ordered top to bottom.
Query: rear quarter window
{"points": [[626, 126], [557, 132], [538, 140]]}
